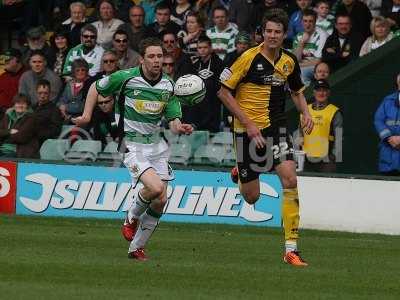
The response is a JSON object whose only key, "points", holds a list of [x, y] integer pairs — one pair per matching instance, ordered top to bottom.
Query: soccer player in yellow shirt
{"points": [[258, 78]]}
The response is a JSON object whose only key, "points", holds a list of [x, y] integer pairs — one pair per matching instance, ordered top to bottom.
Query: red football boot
{"points": [[129, 229], [138, 254]]}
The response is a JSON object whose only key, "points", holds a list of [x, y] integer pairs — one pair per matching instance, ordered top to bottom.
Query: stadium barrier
{"points": [[345, 204]]}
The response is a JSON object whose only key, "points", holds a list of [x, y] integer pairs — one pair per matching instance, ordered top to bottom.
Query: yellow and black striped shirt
{"points": [[259, 86]]}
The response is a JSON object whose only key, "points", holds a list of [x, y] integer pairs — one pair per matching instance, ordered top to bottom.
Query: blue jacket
{"points": [[295, 24], [387, 123]]}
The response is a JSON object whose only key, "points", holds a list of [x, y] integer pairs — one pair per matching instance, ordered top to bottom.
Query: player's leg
{"points": [[286, 171], [156, 190], [250, 190]]}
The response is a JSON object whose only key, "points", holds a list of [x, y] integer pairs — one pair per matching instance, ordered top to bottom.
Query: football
{"points": [[190, 89]]}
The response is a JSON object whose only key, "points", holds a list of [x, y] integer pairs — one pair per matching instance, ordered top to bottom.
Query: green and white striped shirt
{"points": [[326, 24], [223, 41], [313, 48], [93, 58], [145, 104]]}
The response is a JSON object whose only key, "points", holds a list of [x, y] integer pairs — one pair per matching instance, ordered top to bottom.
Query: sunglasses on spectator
{"points": [[89, 36], [121, 40], [169, 41], [109, 61], [168, 64], [81, 70], [104, 102]]}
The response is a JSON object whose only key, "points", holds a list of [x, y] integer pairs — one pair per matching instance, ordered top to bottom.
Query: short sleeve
{"points": [[231, 77], [294, 79], [109, 85], [173, 109]]}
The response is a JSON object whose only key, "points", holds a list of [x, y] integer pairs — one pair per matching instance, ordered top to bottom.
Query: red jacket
{"points": [[9, 87]]}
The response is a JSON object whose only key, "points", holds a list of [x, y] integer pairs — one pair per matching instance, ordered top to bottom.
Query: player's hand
{"points": [[79, 121], [307, 123], [185, 128], [13, 131], [254, 133], [394, 141]]}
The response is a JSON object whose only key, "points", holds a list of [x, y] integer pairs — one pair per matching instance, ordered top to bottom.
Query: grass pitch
{"points": [[61, 258]]}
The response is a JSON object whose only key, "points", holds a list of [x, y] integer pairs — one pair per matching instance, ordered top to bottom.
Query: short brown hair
{"points": [[276, 15], [148, 42], [21, 98]]}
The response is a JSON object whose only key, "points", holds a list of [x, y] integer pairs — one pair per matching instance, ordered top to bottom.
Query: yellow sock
{"points": [[290, 214]]}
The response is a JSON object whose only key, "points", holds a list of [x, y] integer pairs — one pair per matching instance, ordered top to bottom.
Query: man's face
{"points": [[348, 2], [269, 3], [303, 4], [322, 9], [106, 11], [77, 14], [136, 16], [163, 16], [220, 19], [309, 24], [343, 25], [274, 35], [88, 39], [120, 42], [36, 43], [169, 43], [241, 47], [204, 49], [152, 60], [37, 63], [110, 63], [11, 65], [168, 65], [43, 94], [321, 95], [105, 103]]}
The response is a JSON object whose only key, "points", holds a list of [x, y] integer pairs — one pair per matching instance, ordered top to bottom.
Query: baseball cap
{"points": [[35, 32], [243, 37], [10, 53], [322, 84]]}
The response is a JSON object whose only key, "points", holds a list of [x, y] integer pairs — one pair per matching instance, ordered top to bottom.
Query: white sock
{"points": [[138, 207], [148, 223], [290, 246]]}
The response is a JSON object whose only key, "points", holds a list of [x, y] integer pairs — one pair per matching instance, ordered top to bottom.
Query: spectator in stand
{"points": [[374, 6], [149, 7], [262, 7], [122, 9], [391, 10], [180, 11], [241, 12], [360, 16], [324, 18], [296, 19], [163, 22], [74, 24], [107, 24], [135, 29], [380, 29], [223, 34], [188, 37], [36, 40], [242, 43], [170, 45], [308, 45], [343, 45], [59, 50], [88, 50], [127, 58], [169, 66], [39, 71], [321, 71], [9, 80], [72, 100], [205, 115], [48, 117], [387, 125], [105, 128], [18, 132], [321, 144]]}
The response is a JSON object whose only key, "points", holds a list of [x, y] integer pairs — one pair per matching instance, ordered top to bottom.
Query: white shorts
{"points": [[141, 157]]}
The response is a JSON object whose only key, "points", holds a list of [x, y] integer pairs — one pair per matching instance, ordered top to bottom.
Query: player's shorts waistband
{"points": [[136, 137]]}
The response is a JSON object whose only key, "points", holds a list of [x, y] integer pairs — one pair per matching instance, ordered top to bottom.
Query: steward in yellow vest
{"points": [[320, 144]]}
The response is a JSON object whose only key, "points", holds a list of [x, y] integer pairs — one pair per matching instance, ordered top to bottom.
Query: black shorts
{"points": [[252, 161]]}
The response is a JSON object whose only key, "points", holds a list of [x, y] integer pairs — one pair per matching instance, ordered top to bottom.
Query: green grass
{"points": [[49, 258]]}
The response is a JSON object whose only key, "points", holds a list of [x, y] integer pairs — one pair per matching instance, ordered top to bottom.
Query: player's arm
{"points": [[230, 102], [90, 103], [301, 104]]}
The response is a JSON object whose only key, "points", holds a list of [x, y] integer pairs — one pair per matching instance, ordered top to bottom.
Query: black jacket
{"points": [[48, 121]]}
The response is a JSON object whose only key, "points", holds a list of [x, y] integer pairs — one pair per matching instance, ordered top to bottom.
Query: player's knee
{"points": [[289, 182], [157, 190], [251, 197]]}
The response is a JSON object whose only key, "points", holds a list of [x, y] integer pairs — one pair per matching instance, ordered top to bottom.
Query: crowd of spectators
{"points": [[63, 46]]}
